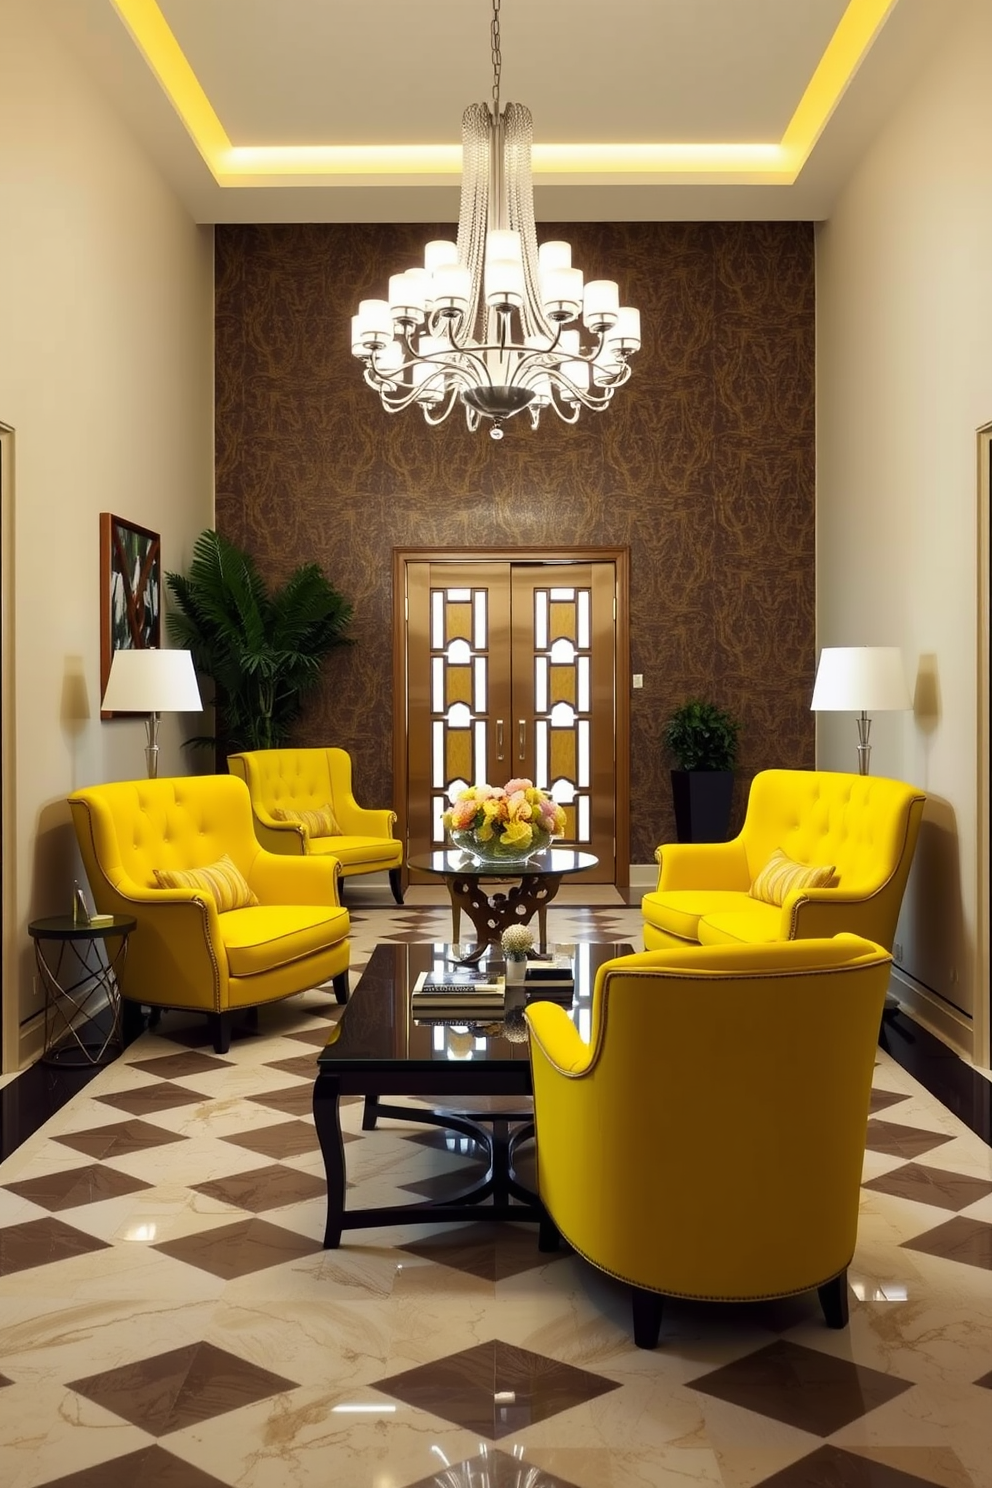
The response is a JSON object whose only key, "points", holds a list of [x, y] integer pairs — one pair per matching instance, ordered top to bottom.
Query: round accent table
{"points": [[533, 886], [79, 966]]}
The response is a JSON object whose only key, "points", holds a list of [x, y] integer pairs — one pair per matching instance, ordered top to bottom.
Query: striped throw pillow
{"points": [[321, 822], [781, 875], [223, 880]]}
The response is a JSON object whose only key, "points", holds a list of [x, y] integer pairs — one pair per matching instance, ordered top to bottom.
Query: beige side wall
{"points": [[106, 353], [904, 369]]}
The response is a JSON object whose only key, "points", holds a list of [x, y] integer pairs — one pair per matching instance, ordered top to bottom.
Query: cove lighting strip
{"points": [[354, 165]]}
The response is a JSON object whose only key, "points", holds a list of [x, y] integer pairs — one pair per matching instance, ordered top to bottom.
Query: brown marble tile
{"points": [[315, 1036], [304, 1065], [178, 1066], [147, 1099], [882, 1099], [296, 1100], [288, 1139], [120, 1140], [902, 1141], [443, 1185], [74, 1186], [935, 1186], [264, 1188], [960, 1239], [39, 1242], [239, 1249], [492, 1252], [4, 1381], [985, 1381], [181, 1388], [495, 1388], [812, 1391], [149, 1467], [830, 1467], [493, 1470]]}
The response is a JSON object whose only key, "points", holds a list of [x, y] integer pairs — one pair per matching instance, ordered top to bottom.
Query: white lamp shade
{"points": [[860, 679], [150, 681]]}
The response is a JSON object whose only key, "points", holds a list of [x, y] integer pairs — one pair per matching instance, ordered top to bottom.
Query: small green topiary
{"points": [[701, 736]]}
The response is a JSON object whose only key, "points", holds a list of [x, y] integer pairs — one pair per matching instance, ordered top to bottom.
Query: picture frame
{"points": [[130, 592]]}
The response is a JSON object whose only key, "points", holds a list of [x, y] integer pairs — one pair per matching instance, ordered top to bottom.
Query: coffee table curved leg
{"points": [[492, 913], [327, 1122]]}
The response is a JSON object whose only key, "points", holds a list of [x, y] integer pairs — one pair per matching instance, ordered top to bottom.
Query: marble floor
{"points": [[169, 1319]]}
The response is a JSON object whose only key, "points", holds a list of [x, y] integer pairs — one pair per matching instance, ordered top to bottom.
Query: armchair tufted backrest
{"points": [[297, 779], [130, 828]]}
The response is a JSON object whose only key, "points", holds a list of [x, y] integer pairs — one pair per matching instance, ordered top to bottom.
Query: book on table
{"points": [[471, 992]]}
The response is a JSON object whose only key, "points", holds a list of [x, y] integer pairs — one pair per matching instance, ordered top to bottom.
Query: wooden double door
{"points": [[510, 668]]}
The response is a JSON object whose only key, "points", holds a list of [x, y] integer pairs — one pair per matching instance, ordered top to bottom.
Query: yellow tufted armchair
{"points": [[292, 788], [862, 827], [286, 932], [707, 1142]]}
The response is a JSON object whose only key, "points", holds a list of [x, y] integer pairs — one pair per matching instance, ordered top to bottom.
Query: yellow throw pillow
{"points": [[321, 822], [781, 875], [223, 880]]}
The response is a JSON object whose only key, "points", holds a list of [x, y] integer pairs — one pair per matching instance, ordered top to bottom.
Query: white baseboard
{"points": [[934, 1014]]}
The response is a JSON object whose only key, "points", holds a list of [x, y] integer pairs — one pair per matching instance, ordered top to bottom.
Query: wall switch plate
{"points": [[638, 679]]}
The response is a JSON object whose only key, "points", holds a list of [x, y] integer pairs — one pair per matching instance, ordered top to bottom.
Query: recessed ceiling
{"points": [[348, 110]]}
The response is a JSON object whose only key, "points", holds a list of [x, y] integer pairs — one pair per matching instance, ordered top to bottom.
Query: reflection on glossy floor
{"points": [[168, 1317]]}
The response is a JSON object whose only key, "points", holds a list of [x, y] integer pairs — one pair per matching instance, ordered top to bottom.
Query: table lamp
{"points": [[860, 679], [152, 682]]}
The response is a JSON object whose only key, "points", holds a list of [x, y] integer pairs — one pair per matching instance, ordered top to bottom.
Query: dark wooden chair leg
{"points": [[396, 884], [340, 984], [251, 1017], [132, 1020], [220, 1031], [370, 1114], [548, 1236], [833, 1300], [647, 1307]]}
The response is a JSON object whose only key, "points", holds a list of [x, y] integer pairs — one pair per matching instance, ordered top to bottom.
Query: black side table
{"points": [[76, 978]]}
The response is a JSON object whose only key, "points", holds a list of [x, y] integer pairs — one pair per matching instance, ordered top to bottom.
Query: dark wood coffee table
{"points": [[377, 1050]]}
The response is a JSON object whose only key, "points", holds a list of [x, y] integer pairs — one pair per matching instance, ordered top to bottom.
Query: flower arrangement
{"points": [[503, 821]]}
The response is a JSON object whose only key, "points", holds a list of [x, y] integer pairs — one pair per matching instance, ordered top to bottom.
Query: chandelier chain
{"points": [[497, 57]]}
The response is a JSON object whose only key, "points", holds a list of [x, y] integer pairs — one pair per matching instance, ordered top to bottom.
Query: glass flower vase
{"points": [[497, 854]]}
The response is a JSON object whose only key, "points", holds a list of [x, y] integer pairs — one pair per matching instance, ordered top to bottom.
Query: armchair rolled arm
{"points": [[363, 821], [702, 865], [278, 879], [811, 913], [558, 1039]]}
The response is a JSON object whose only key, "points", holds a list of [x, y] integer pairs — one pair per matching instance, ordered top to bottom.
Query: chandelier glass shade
{"points": [[492, 322]]}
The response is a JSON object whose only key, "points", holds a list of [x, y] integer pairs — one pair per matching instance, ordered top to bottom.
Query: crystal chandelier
{"points": [[484, 321]]}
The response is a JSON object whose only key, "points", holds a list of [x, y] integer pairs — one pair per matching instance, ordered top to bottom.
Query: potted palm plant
{"points": [[263, 651], [702, 740]]}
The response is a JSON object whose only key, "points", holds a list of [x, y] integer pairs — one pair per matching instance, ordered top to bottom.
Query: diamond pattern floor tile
{"points": [[303, 1065], [179, 1066], [147, 1099], [882, 1099], [292, 1100], [288, 1139], [120, 1140], [902, 1141], [928, 1185], [70, 1187], [271, 1187], [960, 1239], [40, 1242], [239, 1249], [492, 1252], [183, 1387], [495, 1388], [812, 1391], [150, 1467], [831, 1467]]}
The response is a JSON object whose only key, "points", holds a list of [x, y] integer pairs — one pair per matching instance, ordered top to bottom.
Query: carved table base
{"points": [[491, 913]]}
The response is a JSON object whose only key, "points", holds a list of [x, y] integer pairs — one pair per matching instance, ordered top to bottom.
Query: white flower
{"points": [[517, 940]]}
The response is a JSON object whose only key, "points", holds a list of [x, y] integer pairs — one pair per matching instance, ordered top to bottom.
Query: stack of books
{"points": [[544, 980], [464, 993]]}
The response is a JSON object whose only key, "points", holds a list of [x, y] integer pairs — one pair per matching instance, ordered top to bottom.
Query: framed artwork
{"points": [[130, 592]]}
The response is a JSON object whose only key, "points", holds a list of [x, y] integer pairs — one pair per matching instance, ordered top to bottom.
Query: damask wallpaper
{"points": [[703, 467]]}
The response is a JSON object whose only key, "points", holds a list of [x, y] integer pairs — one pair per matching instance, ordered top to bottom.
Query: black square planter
{"points": [[702, 804]]}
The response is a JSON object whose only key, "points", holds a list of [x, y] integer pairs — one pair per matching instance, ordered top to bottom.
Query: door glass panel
{"points": [[540, 620], [585, 620], [459, 653], [480, 684], [541, 772]]}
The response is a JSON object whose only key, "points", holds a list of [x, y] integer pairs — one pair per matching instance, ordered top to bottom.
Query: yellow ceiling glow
{"points": [[768, 163]]}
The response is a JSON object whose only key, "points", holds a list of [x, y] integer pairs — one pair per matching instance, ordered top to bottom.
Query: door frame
{"points": [[620, 558]]}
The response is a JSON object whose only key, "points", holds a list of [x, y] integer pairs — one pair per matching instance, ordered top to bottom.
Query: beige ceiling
{"points": [[399, 72]]}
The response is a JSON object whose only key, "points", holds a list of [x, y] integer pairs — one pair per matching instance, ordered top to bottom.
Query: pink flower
{"points": [[513, 786]]}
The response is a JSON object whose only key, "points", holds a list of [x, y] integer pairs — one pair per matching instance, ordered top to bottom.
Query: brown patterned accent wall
{"points": [[704, 467]]}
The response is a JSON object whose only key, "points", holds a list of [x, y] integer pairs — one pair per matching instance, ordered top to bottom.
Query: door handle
{"points": [[499, 738], [522, 738]]}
